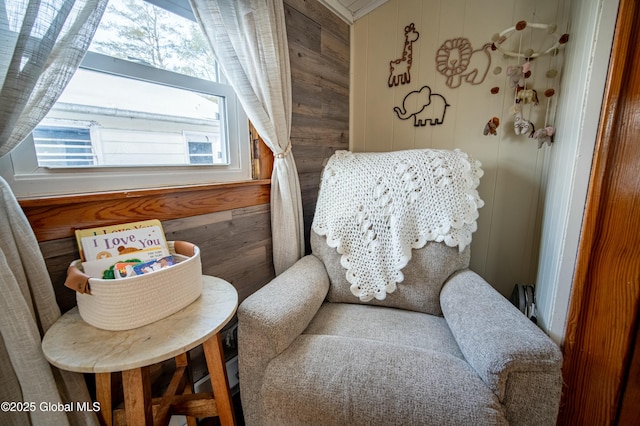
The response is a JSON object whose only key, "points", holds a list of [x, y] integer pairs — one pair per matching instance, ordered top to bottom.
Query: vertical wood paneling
{"points": [[358, 89], [379, 124], [404, 137], [566, 180], [505, 246]]}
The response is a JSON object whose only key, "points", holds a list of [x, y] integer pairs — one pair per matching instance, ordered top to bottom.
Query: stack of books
{"points": [[121, 251]]}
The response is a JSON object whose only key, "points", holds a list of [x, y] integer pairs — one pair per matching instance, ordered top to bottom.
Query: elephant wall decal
{"points": [[427, 107]]}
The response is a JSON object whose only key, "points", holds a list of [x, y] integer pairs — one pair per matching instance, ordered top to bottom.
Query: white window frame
{"points": [[27, 179]]}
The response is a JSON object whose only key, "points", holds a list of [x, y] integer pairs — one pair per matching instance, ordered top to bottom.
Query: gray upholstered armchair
{"points": [[328, 342]]}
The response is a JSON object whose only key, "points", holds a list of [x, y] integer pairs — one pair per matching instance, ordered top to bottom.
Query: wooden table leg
{"points": [[182, 360], [219, 382], [137, 396], [104, 398]]}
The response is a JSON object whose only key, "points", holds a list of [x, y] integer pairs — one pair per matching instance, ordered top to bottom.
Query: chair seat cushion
{"points": [[388, 325], [335, 380]]}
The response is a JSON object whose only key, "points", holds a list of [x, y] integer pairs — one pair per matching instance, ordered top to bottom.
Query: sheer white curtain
{"points": [[249, 41], [41, 44]]}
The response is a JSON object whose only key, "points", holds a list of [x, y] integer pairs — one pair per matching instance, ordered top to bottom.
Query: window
{"points": [[147, 96], [64, 145], [205, 148]]}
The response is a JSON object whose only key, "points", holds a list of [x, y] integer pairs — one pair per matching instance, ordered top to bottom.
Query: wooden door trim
{"points": [[586, 399]]}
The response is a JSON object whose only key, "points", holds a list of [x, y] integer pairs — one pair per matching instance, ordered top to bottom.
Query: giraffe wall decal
{"points": [[400, 69]]}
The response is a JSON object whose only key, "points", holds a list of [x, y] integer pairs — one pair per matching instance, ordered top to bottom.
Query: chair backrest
{"points": [[392, 227], [424, 276]]}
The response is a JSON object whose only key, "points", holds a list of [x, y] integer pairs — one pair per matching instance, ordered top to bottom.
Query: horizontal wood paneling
{"points": [[323, 16], [319, 52], [59, 217], [235, 245]]}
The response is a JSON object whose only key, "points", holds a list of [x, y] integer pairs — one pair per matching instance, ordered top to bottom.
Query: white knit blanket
{"points": [[374, 208]]}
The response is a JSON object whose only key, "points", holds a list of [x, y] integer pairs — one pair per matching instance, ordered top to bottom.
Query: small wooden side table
{"points": [[72, 344]]}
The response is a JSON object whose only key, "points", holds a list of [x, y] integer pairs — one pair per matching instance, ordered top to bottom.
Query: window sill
{"points": [[58, 217]]}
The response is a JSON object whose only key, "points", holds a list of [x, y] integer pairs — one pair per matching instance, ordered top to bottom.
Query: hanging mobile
{"points": [[500, 38], [517, 74], [492, 125], [545, 134]]}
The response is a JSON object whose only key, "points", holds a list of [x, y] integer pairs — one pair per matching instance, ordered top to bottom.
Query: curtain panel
{"points": [[249, 41], [41, 45]]}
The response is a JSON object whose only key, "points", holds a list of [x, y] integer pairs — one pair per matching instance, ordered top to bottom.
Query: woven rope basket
{"points": [[128, 303]]}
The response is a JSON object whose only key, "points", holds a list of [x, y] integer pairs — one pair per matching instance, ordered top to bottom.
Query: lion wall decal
{"points": [[457, 60]]}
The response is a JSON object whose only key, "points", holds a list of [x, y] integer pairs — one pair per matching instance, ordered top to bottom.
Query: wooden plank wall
{"points": [[319, 55], [235, 242], [235, 245]]}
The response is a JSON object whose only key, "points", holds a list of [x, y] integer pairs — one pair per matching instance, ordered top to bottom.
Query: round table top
{"points": [[72, 344]]}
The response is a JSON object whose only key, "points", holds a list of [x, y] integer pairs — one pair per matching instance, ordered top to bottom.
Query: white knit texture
{"points": [[374, 208]]}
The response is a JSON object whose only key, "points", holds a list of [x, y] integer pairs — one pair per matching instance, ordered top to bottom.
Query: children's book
{"points": [[117, 240], [153, 265], [126, 266], [112, 267], [125, 269]]}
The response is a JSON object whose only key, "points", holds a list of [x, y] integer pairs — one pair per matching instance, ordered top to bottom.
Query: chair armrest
{"points": [[277, 313], [270, 320], [520, 363]]}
